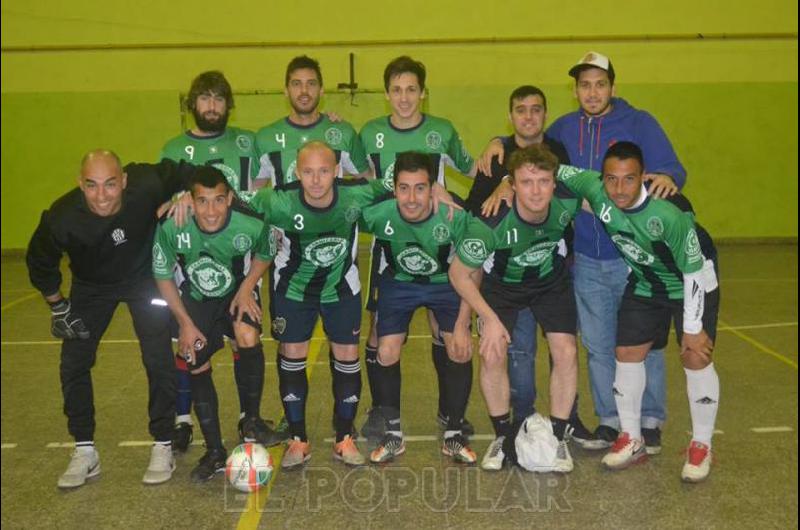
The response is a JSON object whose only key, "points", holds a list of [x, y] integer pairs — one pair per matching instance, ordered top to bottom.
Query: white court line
{"points": [[766, 430], [716, 431], [426, 438], [60, 445], [9, 446]]}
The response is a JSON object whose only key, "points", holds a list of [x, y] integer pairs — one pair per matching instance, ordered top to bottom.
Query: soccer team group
{"points": [[581, 226]]}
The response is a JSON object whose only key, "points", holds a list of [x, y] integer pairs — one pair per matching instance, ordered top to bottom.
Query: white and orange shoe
{"points": [[347, 452], [297, 453]]}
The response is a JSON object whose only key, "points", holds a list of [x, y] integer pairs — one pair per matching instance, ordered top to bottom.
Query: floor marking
{"points": [[19, 301], [759, 326], [760, 346], [765, 430], [716, 431], [426, 438], [60, 445], [9, 446]]}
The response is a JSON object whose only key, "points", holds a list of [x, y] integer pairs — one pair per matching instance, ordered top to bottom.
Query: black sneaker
{"points": [[375, 426], [467, 429], [259, 431], [605, 434], [583, 436], [182, 437], [652, 440], [210, 464]]}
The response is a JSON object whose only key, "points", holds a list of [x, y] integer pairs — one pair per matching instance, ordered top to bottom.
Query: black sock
{"points": [[439, 356], [370, 361], [239, 372], [251, 379], [388, 380], [293, 385], [347, 392], [457, 392], [183, 405], [206, 407], [501, 424], [559, 427]]}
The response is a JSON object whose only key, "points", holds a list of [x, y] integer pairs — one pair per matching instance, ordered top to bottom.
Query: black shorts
{"points": [[398, 301], [553, 304], [212, 318], [641, 320], [294, 321]]}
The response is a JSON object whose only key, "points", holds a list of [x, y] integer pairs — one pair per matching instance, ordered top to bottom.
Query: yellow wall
{"points": [[82, 74]]}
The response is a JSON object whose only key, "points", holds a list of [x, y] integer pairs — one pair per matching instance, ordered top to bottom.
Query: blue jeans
{"points": [[599, 285], [522, 365]]}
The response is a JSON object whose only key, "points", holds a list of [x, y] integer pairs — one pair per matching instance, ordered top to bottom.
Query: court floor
{"points": [[753, 481]]}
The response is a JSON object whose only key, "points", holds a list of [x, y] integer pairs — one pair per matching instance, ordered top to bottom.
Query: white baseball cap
{"points": [[593, 60]]}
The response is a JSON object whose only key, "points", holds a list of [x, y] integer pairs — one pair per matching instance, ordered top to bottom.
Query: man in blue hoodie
{"points": [[599, 272]]}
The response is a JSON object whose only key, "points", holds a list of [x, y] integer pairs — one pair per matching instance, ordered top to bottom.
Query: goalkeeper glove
{"points": [[65, 324]]}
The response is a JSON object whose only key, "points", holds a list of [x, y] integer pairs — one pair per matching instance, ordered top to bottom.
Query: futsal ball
{"points": [[249, 467]]}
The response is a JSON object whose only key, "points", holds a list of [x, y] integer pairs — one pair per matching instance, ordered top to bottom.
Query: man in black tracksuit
{"points": [[106, 228]]}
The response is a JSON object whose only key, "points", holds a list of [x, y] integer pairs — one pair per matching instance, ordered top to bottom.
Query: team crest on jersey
{"points": [[333, 136], [433, 140], [243, 142], [213, 150], [566, 172], [388, 173], [230, 174], [290, 175], [352, 213], [564, 218], [655, 227], [441, 234], [118, 235], [242, 242], [273, 242], [474, 248], [632, 250], [326, 251], [693, 252], [536, 255], [159, 259], [416, 262], [210, 278], [279, 325]]}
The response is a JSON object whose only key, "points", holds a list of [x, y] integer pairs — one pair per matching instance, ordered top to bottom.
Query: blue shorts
{"points": [[397, 302], [294, 321]]}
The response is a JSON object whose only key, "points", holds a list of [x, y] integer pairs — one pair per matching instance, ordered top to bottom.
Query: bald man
{"points": [[106, 227]]}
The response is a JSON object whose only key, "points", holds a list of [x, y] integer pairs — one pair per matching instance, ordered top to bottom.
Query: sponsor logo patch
{"points": [[243, 142], [118, 235], [242, 242], [693, 247], [474, 249], [633, 250], [326, 251], [536, 255], [159, 259], [416, 262], [210, 278], [279, 325]]}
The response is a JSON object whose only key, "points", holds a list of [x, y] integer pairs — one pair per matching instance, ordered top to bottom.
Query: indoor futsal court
{"points": [[720, 78]]}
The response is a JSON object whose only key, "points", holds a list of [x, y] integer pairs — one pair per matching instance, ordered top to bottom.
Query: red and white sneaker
{"points": [[625, 452], [698, 462]]}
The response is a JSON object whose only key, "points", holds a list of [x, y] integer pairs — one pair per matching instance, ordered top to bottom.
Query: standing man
{"points": [[408, 129], [232, 151], [106, 228], [214, 249], [521, 252], [600, 273], [673, 277]]}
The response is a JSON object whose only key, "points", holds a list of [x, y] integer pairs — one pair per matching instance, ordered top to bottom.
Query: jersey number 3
{"points": [[298, 222]]}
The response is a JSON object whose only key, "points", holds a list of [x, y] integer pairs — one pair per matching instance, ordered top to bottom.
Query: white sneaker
{"points": [[625, 452], [494, 457], [563, 462], [698, 462], [162, 464], [84, 465]]}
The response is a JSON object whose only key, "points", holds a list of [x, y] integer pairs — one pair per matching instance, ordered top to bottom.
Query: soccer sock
{"points": [[439, 356], [331, 360], [371, 361], [239, 372], [251, 377], [459, 377], [387, 379], [293, 385], [629, 386], [702, 386], [347, 393], [183, 404], [206, 407], [501, 425], [559, 427], [165, 443], [85, 446]]}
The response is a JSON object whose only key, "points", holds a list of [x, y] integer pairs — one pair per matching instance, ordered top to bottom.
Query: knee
{"points": [[246, 336], [388, 354], [694, 361]]}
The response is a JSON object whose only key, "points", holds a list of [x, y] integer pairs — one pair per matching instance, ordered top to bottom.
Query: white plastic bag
{"points": [[536, 445]]}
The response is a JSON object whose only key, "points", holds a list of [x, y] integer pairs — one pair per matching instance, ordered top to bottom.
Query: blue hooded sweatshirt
{"points": [[587, 138]]}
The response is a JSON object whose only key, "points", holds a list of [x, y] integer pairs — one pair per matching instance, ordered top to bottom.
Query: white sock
{"points": [[629, 384], [702, 386], [184, 418]]}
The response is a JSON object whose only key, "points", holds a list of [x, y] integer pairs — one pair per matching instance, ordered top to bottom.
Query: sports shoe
{"points": [[375, 426], [254, 429], [467, 429], [605, 435], [583, 436], [182, 437], [652, 440], [391, 446], [457, 448], [347, 452], [625, 452], [297, 453], [495, 457], [698, 462], [563, 463], [85, 464], [162, 464], [210, 464]]}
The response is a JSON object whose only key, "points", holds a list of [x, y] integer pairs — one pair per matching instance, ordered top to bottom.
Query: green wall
{"points": [[84, 74]]}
